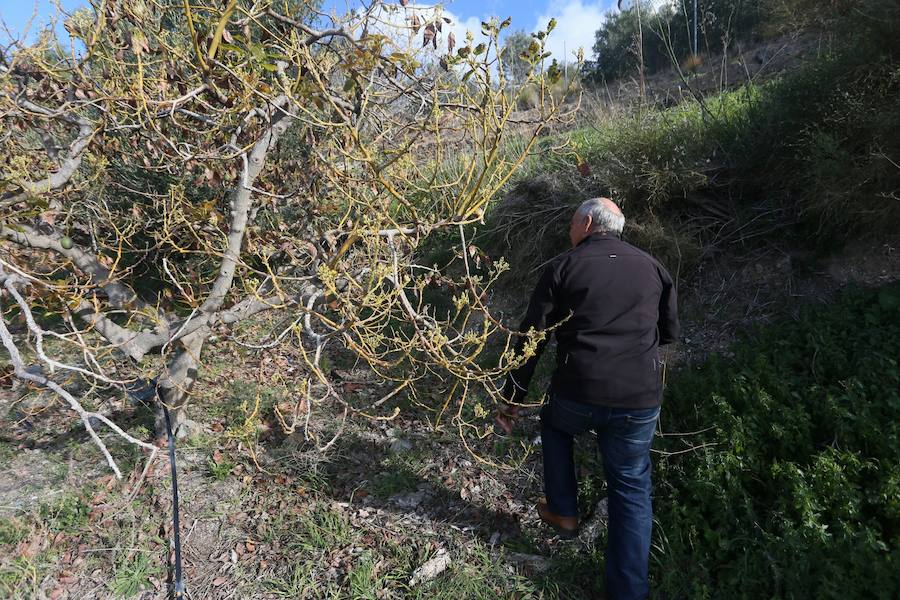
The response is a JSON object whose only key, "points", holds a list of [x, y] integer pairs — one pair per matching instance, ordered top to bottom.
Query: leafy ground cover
{"points": [[794, 491]]}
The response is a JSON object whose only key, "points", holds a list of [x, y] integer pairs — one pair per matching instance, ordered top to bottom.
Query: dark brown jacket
{"points": [[621, 305]]}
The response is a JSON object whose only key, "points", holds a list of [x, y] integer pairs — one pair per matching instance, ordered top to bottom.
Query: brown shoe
{"points": [[566, 527]]}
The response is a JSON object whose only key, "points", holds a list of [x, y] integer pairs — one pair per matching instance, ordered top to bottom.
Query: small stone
{"points": [[189, 428], [400, 446], [409, 501], [531, 563], [431, 568]]}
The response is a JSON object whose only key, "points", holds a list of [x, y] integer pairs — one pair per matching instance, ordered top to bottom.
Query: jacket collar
{"points": [[600, 235]]}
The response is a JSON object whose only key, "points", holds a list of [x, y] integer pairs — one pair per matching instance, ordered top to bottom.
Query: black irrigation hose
{"points": [[179, 583]]}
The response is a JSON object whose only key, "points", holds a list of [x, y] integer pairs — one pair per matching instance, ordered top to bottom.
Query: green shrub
{"points": [[816, 150], [797, 491], [66, 513]]}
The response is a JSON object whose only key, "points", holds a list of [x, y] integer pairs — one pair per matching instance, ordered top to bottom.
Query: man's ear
{"points": [[588, 221]]}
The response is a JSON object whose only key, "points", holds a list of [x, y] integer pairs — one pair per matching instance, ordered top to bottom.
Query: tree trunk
{"points": [[180, 375]]}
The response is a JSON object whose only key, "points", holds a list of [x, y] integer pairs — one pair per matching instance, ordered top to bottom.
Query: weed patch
{"points": [[792, 489], [67, 513], [11, 531], [132, 574], [19, 578]]}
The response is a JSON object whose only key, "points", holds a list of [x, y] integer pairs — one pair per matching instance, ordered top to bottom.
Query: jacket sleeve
{"points": [[542, 313], [668, 325]]}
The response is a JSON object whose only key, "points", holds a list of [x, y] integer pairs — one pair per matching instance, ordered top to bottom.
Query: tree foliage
{"points": [[668, 34], [185, 167]]}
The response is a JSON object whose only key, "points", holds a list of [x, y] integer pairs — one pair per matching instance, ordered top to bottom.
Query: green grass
{"points": [[814, 142], [811, 155], [7, 452], [219, 470], [399, 480], [794, 488], [321, 529], [12, 531], [311, 538], [476, 574], [131, 575], [19, 578], [368, 579], [299, 581]]}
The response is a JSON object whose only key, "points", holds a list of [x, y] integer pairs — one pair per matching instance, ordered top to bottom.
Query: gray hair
{"points": [[602, 218]]}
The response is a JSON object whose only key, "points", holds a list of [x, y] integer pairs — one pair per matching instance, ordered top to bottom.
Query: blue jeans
{"points": [[624, 437]]}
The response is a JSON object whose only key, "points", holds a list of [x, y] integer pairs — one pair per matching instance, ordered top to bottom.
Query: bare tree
{"points": [[182, 168]]}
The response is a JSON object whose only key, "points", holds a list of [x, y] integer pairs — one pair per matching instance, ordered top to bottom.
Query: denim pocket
{"points": [[637, 418], [633, 436]]}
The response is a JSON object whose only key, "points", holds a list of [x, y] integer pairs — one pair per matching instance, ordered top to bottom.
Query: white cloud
{"points": [[392, 21], [576, 24]]}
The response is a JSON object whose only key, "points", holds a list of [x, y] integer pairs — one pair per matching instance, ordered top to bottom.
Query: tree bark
{"points": [[179, 377]]}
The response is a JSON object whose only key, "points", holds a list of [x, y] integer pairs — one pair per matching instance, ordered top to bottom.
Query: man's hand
{"points": [[505, 417]]}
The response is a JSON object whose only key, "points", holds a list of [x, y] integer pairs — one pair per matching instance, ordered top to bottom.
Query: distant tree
{"points": [[720, 23], [668, 32], [615, 51], [516, 66]]}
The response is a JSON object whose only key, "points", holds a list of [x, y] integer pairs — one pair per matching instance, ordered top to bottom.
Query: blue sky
{"points": [[577, 19]]}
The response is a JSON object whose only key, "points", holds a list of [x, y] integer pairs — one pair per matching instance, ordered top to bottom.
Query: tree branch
{"points": [[67, 166], [241, 203], [22, 373]]}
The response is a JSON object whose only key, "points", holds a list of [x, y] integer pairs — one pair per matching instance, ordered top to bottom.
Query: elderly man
{"points": [[614, 305]]}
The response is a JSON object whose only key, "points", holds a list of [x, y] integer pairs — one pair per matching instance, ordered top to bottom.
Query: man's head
{"points": [[594, 216]]}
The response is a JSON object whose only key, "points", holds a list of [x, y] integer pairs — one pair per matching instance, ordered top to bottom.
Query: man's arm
{"points": [[541, 314], [669, 328]]}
